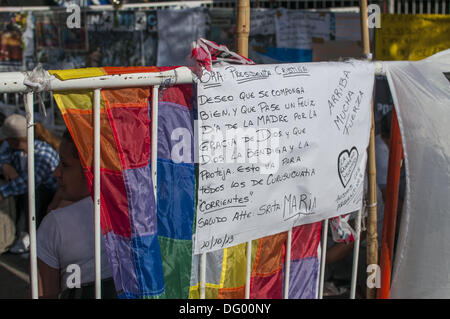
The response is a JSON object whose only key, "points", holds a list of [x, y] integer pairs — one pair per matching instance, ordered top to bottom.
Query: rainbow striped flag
{"points": [[149, 242]]}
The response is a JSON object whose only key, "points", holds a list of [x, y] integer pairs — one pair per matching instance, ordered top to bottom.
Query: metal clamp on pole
{"points": [[37, 80]]}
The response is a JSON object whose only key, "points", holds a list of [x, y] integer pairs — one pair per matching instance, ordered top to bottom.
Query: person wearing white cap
{"points": [[13, 163]]}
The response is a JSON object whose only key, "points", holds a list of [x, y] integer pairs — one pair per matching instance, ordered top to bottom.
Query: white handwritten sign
{"points": [[279, 146]]}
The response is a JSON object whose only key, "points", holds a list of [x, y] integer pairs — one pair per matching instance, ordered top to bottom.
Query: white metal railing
{"points": [[12, 82]]}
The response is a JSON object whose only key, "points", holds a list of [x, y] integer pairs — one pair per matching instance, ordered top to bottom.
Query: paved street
{"points": [[14, 280]]}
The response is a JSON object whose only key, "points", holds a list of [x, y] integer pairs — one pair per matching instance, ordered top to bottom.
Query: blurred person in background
{"points": [[14, 167]]}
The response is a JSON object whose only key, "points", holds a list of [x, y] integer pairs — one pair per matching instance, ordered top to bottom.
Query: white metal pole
{"points": [[11, 82], [155, 94], [97, 193], [31, 194], [356, 254], [323, 257], [287, 265], [248, 269], [202, 276]]}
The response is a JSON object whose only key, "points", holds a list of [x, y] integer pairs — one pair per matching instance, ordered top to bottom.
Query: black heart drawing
{"points": [[347, 161]]}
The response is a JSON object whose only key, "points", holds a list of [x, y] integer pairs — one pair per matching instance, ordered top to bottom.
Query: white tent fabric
{"points": [[421, 94]]}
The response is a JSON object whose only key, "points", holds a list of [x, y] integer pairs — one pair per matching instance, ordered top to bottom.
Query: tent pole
{"points": [[363, 14], [243, 27], [243, 30], [372, 243]]}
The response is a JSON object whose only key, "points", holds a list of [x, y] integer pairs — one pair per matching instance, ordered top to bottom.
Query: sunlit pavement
{"points": [[14, 276]]}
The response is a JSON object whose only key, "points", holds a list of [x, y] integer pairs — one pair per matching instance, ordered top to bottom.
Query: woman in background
{"points": [[65, 238]]}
